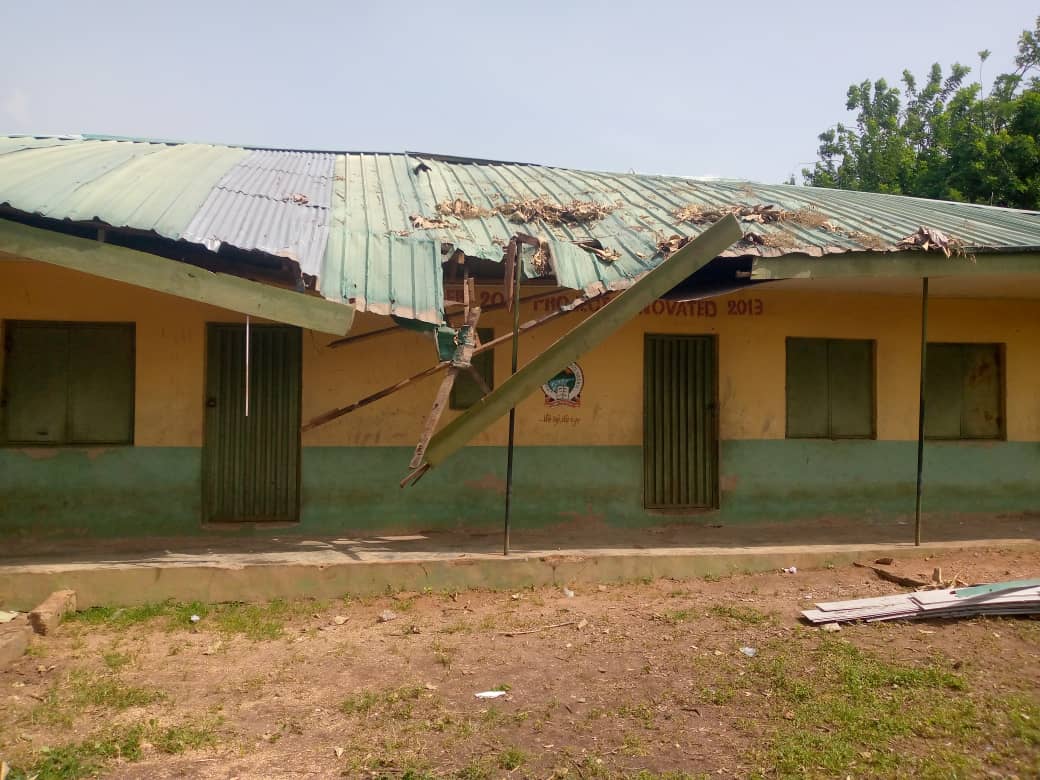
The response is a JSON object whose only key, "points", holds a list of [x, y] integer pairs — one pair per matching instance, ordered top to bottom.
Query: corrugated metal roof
{"points": [[145, 186], [274, 202], [347, 218]]}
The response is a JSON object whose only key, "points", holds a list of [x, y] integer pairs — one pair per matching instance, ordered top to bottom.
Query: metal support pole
{"points": [[512, 411], [920, 412]]}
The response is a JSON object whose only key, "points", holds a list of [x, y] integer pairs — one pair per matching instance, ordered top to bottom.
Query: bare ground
{"points": [[640, 680]]}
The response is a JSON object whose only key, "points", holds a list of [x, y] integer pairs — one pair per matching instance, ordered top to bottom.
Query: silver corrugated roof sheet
{"points": [[274, 202]]}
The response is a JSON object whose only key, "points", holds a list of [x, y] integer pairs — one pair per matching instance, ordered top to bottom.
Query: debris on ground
{"points": [[932, 240], [885, 561], [790, 570], [890, 576], [567, 592], [1017, 597], [387, 615], [47, 616], [7, 617], [194, 618], [339, 620], [831, 627], [750, 652], [489, 694]]}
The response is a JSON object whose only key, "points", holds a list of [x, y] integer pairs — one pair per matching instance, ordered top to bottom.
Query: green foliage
{"points": [[945, 139]]}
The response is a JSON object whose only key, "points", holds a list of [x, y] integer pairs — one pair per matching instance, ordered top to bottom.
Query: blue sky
{"points": [[736, 89]]}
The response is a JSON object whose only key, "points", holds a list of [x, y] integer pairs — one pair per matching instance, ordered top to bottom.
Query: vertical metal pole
{"points": [[247, 365], [512, 411], [920, 412]]}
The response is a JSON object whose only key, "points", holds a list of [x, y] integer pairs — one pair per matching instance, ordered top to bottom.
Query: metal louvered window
{"points": [[68, 383], [830, 388], [964, 392]]}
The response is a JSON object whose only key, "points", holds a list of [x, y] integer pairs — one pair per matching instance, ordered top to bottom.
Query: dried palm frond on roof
{"points": [[462, 209], [576, 212], [763, 214], [425, 223], [932, 240]]}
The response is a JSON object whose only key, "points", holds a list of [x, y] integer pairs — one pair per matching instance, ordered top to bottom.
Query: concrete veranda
{"points": [[270, 565]]}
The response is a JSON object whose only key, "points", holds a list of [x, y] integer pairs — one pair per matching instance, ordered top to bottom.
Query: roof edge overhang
{"points": [[912, 264], [152, 272]]}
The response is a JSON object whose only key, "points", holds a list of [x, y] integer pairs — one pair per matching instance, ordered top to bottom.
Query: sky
{"points": [[731, 89]]}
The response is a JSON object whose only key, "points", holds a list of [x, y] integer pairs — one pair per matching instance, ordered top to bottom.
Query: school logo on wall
{"points": [[564, 389]]}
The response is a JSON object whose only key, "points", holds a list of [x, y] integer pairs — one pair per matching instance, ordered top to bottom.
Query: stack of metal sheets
{"points": [[1018, 597]]}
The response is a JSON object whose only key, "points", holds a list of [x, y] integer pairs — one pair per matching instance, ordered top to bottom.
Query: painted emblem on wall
{"points": [[564, 389]]}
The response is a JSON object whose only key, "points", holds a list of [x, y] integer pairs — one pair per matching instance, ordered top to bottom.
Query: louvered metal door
{"points": [[680, 453], [251, 464]]}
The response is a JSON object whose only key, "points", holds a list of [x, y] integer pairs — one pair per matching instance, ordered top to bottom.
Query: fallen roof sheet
{"points": [[373, 228], [1003, 598]]}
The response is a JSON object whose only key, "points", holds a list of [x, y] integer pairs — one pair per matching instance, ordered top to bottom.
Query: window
{"points": [[68, 383], [830, 389], [466, 391], [964, 392]]}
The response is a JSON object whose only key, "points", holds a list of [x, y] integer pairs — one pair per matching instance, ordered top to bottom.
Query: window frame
{"points": [[8, 326], [485, 335], [1001, 354], [830, 435]]}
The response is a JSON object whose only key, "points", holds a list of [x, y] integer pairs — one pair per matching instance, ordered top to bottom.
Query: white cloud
{"points": [[16, 106]]}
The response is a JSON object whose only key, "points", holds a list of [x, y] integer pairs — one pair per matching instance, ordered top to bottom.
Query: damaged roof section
{"points": [[273, 202], [373, 229]]}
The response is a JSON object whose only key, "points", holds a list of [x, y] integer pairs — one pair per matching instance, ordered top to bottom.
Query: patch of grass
{"points": [[746, 615], [676, 616], [256, 621], [36, 650], [115, 660], [92, 690], [398, 703], [644, 713], [859, 713], [186, 736], [633, 745], [91, 756], [511, 758]]}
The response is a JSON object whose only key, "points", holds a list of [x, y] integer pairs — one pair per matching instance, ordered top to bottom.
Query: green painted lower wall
{"points": [[103, 492], [68, 493]]}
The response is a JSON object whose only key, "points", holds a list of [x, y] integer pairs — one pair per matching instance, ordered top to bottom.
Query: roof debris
{"points": [[299, 199], [462, 209], [577, 212], [763, 213], [697, 214], [425, 223], [868, 240], [931, 240], [595, 246], [1016, 597]]}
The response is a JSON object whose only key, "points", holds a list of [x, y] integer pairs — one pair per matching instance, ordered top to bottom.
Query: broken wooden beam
{"points": [[586, 335]]}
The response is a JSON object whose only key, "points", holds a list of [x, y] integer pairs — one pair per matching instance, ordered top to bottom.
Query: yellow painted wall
{"points": [[171, 354]]}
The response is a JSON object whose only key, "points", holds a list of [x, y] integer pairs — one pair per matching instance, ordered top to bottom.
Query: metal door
{"points": [[680, 450], [251, 464]]}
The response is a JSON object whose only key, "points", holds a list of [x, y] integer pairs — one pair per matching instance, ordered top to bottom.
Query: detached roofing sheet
{"points": [[373, 228]]}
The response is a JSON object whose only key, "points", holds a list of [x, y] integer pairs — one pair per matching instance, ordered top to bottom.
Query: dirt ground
{"points": [[643, 680]]}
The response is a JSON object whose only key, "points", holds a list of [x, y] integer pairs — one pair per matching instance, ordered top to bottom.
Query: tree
{"points": [[944, 139]]}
